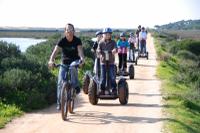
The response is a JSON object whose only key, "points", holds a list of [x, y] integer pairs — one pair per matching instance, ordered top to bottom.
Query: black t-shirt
{"points": [[95, 45], [69, 49]]}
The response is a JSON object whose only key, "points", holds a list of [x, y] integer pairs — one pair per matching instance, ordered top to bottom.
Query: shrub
{"points": [[190, 45], [184, 54], [16, 79]]}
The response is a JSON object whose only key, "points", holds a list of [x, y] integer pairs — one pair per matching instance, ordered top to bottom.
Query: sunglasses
{"points": [[69, 30]]}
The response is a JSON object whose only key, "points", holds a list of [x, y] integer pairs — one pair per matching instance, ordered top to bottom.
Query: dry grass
{"points": [[185, 34]]}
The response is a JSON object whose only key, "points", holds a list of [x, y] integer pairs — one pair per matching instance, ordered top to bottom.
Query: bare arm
{"points": [[114, 51], [80, 52], [53, 55]]}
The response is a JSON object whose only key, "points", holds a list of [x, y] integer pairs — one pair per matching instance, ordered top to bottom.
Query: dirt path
{"points": [[141, 115]]}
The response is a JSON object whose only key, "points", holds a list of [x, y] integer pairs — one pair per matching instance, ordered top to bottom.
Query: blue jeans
{"points": [[143, 46], [131, 55], [111, 76], [74, 80]]}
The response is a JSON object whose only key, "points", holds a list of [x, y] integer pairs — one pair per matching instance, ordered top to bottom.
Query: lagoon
{"points": [[23, 43]]}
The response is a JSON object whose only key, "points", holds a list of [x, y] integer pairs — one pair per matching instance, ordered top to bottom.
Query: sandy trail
{"points": [[142, 114]]}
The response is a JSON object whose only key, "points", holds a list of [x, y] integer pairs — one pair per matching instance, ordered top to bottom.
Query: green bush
{"points": [[190, 45], [8, 50], [184, 54], [25, 78], [17, 79], [27, 100], [7, 112]]}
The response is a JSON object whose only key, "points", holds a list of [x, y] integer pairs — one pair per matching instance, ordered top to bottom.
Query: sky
{"points": [[96, 13]]}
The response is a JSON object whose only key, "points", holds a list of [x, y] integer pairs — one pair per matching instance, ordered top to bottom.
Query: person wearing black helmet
{"points": [[137, 35], [98, 36], [143, 38], [107, 44], [94, 48], [122, 48]]}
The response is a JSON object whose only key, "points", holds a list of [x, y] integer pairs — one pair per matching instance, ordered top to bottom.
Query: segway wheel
{"points": [[147, 55], [131, 72], [86, 82], [123, 91], [92, 92]]}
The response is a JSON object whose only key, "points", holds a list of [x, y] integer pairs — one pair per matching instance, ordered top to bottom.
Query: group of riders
{"points": [[72, 51]]}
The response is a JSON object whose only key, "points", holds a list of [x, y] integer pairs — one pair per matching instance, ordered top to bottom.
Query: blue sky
{"points": [[96, 13]]}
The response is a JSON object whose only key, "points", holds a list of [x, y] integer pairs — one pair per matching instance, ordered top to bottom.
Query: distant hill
{"points": [[181, 25]]}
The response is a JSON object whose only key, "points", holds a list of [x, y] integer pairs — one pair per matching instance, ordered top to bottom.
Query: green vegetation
{"points": [[180, 71], [26, 83], [8, 112]]}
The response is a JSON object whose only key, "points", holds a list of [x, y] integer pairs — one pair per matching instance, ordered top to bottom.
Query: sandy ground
{"points": [[142, 114]]}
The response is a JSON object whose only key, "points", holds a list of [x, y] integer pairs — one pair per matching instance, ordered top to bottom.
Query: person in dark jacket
{"points": [[96, 69]]}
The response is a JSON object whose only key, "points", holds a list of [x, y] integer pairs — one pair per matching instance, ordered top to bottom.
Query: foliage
{"points": [[180, 71], [7, 112]]}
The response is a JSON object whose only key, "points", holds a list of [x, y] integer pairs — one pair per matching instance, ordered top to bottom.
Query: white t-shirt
{"points": [[142, 35]]}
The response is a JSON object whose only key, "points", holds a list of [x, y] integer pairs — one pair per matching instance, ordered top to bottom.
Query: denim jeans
{"points": [[143, 46], [131, 54], [111, 76], [74, 80]]}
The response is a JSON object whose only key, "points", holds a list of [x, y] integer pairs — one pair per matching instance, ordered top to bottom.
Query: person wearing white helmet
{"points": [[142, 39], [132, 43]]}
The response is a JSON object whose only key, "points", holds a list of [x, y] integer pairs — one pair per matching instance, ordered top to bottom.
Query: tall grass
{"points": [[8, 112]]}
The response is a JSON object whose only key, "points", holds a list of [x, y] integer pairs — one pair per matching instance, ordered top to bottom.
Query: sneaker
{"points": [[78, 90], [58, 107]]}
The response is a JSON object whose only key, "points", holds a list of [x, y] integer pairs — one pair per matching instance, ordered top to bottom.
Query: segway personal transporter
{"points": [[133, 53], [142, 53], [131, 69], [89, 75], [95, 87]]}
